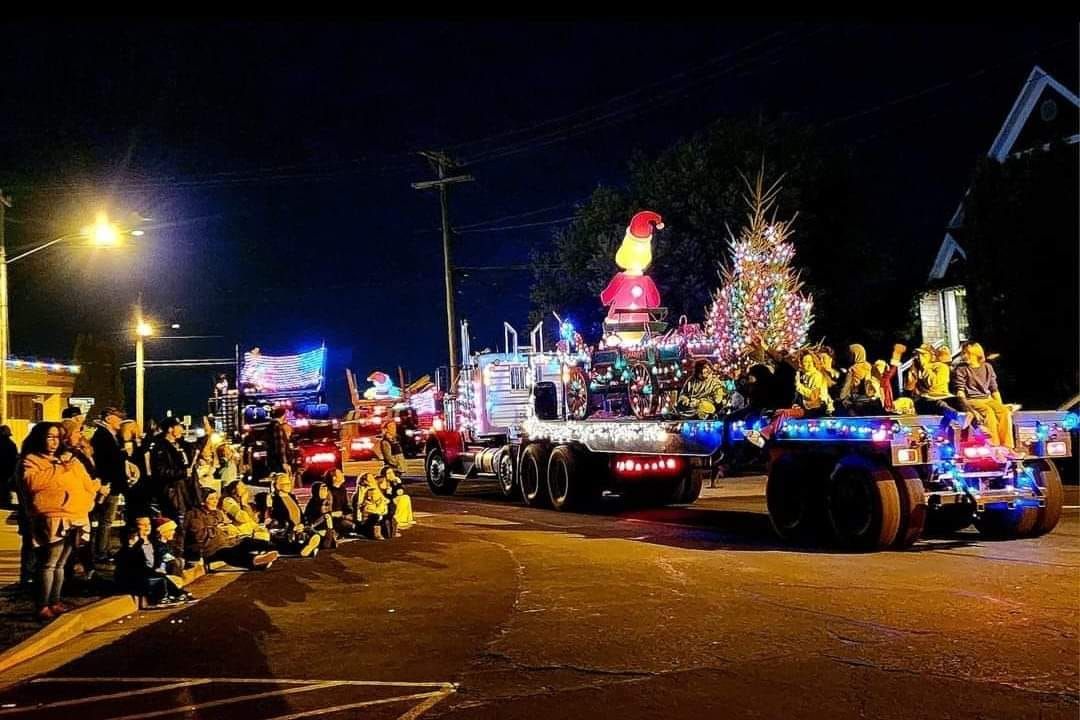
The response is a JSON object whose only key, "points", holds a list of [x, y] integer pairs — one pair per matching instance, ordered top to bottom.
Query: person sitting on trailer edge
{"points": [[928, 383], [977, 388], [861, 392], [702, 395], [811, 399]]}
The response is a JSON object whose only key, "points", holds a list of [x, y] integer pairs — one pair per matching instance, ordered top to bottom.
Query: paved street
{"points": [[675, 613]]}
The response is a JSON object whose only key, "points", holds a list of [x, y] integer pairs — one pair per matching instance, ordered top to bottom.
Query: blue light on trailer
{"points": [[1071, 421]]}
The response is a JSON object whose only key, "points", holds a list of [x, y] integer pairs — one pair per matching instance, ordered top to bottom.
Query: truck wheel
{"points": [[504, 471], [437, 473], [533, 475], [1049, 481], [565, 484], [686, 490], [787, 495], [863, 504], [912, 506], [1007, 523]]}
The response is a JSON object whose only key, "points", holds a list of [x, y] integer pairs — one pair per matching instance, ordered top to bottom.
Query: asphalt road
{"points": [[676, 613]]}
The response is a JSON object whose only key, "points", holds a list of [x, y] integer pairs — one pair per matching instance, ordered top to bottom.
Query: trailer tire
{"points": [[504, 471], [437, 473], [532, 475], [1048, 479], [565, 485], [788, 496], [863, 504], [912, 506]]}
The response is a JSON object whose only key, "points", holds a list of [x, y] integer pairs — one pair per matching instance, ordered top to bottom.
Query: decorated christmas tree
{"points": [[759, 306]]}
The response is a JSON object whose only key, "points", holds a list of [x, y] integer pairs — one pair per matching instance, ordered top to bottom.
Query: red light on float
{"points": [[321, 458]]}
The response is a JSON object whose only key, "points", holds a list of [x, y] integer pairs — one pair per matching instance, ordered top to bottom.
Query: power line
{"points": [[515, 227]]}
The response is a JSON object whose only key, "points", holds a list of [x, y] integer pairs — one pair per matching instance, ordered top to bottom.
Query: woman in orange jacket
{"points": [[61, 494]]}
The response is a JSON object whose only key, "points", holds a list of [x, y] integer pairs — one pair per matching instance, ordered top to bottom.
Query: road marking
{"points": [[262, 681], [110, 696], [436, 696], [229, 701], [425, 706]]}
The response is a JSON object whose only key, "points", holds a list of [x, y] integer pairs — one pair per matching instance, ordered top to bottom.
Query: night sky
{"points": [[275, 159]]}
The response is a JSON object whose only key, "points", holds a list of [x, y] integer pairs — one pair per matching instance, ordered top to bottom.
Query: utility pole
{"points": [[442, 163], [5, 203]]}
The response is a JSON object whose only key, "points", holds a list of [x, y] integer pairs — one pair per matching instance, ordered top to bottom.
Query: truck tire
{"points": [[504, 471], [437, 473], [532, 475], [1048, 479], [566, 484], [686, 490], [788, 496], [863, 504], [912, 507], [1007, 523]]}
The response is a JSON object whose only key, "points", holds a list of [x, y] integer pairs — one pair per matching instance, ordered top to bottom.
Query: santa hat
{"points": [[642, 224], [378, 377], [164, 525]]}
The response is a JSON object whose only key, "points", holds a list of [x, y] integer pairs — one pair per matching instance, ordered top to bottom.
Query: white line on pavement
{"points": [[110, 696]]}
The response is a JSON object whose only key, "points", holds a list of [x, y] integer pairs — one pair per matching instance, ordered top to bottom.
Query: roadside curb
{"points": [[80, 621]]}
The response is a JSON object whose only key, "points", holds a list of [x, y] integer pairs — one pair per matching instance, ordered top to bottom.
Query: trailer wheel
{"points": [[504, 471], [437, 473], [533, 475], [1048, 479], [565, 485], [788, 496], [863, 504], [912, 506], [1007, 523]]}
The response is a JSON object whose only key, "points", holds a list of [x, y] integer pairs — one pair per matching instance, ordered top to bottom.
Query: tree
{"points": [[696, 185], [1020, 236], [759, 304], [99, 372]]}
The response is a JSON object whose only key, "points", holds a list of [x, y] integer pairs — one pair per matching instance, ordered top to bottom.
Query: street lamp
{"points": [[101, 234]]}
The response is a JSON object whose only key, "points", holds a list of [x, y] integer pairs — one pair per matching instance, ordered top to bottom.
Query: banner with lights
{"points": [[283, 374]]}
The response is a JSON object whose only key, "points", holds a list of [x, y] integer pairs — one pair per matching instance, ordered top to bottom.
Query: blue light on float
{"points": [[1071, 421]]}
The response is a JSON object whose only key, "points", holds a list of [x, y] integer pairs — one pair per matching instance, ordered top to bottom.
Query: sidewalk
{"points": [[17, 621]]}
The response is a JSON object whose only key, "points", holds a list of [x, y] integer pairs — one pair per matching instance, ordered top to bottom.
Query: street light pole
{"points": [[5, 203], [142, 330]]}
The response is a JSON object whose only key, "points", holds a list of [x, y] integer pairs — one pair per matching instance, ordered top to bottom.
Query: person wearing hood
{"points": [[928, 383], [861, 393], [702, 396], [811, 399], [390, 447], [400, 503], [340, 507], [373, 507], [319, 515], [285, 520], [212, 537]]}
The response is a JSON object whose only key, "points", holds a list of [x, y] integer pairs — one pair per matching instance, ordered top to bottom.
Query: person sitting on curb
{"points": [[400, 503], [236, 504], [340, 506], [373, 507], [319, 515], [285, 520], [212, 537], [142, 568]]}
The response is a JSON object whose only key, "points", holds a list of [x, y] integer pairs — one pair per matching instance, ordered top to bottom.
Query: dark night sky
{"points": [[275, 158]]}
